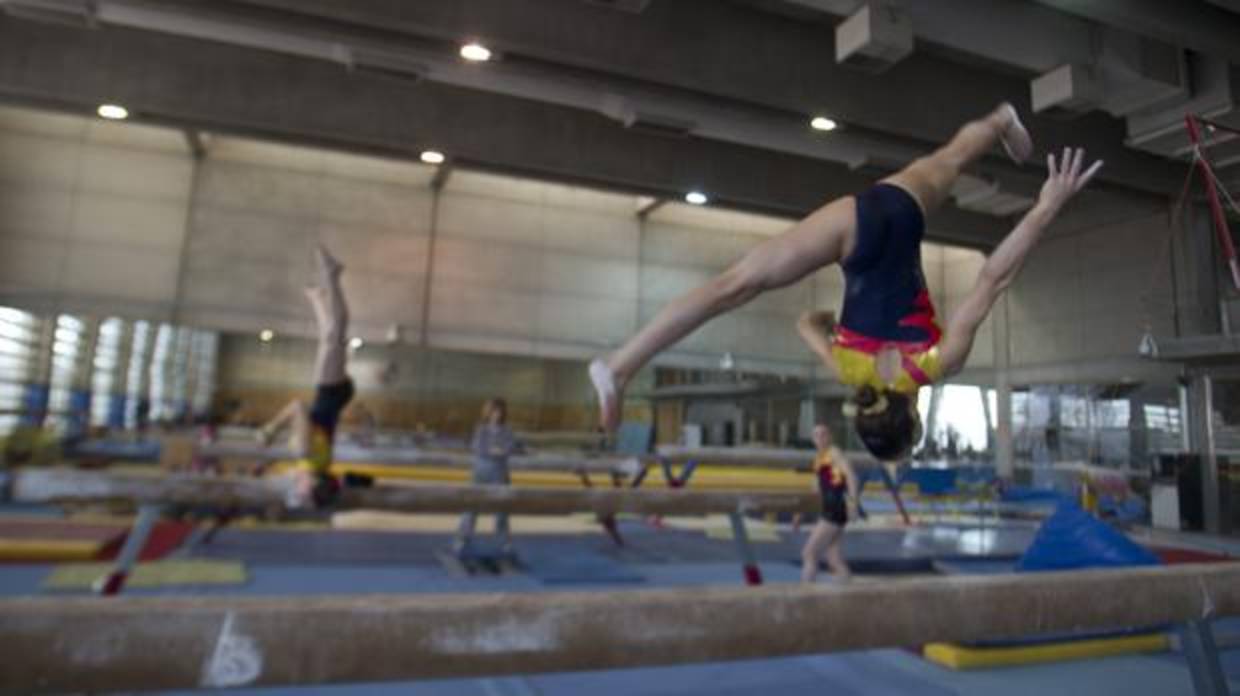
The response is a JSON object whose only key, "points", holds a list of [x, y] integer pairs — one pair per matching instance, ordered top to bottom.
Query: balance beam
{"points": [[346, 452], [755, 457], [67, 486], [123, 644]]}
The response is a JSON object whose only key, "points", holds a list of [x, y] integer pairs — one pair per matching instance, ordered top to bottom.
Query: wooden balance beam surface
{"points": [[347, 453], [755, 457], [63, 485], [122, 644]]}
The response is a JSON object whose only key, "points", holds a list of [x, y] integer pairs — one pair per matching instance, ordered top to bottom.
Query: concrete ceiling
{"points": [[572, 98]]}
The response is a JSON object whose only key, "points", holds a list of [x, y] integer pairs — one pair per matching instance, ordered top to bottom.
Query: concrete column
{"points": [[197, 154], [1197, 267], [428, 284], [142, 355], [193, 357], [201, 374], [180, 375], [120, 378], [38, 381], [932, 413], [989, 418], [78, 420], [1138, 433], [1201, 435], [1005, 465]]}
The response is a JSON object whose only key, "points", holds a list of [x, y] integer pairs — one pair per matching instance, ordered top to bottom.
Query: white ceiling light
{"points": [[475, 52], [113, 112], [822, 123], [433, 157], [696, 198], [266, 335], [356, 342]]}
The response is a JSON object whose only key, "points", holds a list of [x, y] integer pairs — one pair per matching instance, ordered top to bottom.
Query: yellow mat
{"points": [[711, 478], [382, 521], [34, 550], [80, 576], [965, 657]]}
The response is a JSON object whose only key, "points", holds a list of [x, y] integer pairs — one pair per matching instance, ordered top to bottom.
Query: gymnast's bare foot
{"points": [[1015, 137], [328, 263], [609, 397]]}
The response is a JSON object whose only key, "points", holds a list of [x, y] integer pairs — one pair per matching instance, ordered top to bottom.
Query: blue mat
{"points": [[141, 451], [575, 566], [975, 566]]}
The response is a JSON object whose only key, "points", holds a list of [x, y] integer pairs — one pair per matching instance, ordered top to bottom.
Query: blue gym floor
{"points": [[331, 562]]}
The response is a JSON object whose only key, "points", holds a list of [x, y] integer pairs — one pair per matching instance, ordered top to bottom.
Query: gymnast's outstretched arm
{"points": [[1064, 181]]}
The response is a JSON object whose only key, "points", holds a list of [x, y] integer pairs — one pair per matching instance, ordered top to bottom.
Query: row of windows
{"points": [[171, 368], [1050, 423]]}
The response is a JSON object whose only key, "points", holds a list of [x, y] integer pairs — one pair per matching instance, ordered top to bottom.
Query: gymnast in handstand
{"points": [[887, 343], [314, 429]]}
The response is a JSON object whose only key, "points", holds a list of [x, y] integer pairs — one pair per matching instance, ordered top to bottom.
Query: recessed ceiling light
{"points": [[475, 52], [113, 112], [822, 123], [433, 157], [696, 198], [266, 335], [356, 342]]}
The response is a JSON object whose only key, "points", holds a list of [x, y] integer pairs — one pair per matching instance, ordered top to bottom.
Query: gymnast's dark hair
{"points": [[884, 421]]}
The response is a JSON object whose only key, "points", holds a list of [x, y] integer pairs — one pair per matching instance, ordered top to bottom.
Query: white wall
{"points": [[258, 211], [92, 214], [120, 219], [533, 268], [1090, 288]]}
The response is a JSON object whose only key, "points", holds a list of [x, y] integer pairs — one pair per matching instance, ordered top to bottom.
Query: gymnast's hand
{"points": [[1065, 178], [823, 320]]}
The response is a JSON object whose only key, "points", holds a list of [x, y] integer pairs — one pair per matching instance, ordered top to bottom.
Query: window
{"points": [[19, 340], [70, 343], [205, 350], [106, 368], [962, 412]]}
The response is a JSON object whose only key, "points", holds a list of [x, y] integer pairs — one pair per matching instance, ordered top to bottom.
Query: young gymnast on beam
{"points": [[887, 343], [314, 428]]}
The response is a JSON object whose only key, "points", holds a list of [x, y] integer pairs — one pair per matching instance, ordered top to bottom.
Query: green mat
{"points": [[80, 576]]}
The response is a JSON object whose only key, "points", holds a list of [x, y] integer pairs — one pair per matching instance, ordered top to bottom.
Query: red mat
{"points": [[165, 538], [1173, 556]]}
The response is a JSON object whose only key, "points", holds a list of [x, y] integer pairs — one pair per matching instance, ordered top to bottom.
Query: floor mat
{"points": [[166, 537], [34, 539], [1172, 556], [575, 566], [80, 576]]}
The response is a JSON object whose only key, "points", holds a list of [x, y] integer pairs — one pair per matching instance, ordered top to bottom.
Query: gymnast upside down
{"points": [[887, 343], [314, 428]]}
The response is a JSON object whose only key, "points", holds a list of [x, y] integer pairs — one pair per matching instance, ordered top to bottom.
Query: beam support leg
{"points": [[609, 520], [753, 574], [112, 583], [1201, 651]]}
